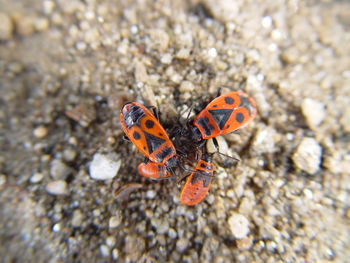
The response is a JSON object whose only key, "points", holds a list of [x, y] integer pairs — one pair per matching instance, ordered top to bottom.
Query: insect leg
{"points": [[155, 111], [216, 144]]}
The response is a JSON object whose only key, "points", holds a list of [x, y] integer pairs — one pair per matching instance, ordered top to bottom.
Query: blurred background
{"points": [[69, 187]]}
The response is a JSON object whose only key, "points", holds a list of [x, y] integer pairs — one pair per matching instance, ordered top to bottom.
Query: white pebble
{"points": [[48, 7], [266, 21], [134, 29], [81, 46], [212, 52], [183, 53], [166, 58], [314, 112], [40, 132], [308, 155], [104, 167], [36, 178], [2, 179], [57, 188], [151, 194], [114, 221], [239, 225], [56, 228], [110, 241], [182, 244], [104, 251], [115, 254]]}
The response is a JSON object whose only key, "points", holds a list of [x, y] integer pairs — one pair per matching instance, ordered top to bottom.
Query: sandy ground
{"points": [[66, 68]]}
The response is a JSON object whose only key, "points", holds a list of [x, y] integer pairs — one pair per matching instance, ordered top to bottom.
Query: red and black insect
{"points": [[223, 115], [148, 135], [198, 182]]}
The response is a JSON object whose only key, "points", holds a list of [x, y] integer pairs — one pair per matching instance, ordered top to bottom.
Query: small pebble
{"points": [[24, 24], [41, 24], [6, 27], [81, 46], [212, 52], [183, 53], [166, 58], [314, 112], [40, 132], [69, 155], [308, 155], [104, 166], [59, 170], [36, 178], [2, 179], [57, 188], [151, 194], [78, 218], [114, 221], [239, 225], [56, 227], [172, 233], [110, 241], [245, 243], [182, 244], [104, 251], [115, 254]]}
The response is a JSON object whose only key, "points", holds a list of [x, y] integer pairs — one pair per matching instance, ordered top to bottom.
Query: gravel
{"points": [[68, 66]]}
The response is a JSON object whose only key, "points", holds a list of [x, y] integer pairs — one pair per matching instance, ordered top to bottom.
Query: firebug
{"points": [[223, 115], [148, 135], [198, 182]]}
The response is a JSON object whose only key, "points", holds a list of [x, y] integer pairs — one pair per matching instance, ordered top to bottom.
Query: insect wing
{"points": [[226, 114], [146, 133], [197, 184]]}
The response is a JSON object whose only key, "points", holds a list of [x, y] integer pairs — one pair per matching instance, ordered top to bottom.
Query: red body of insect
{"points": [[224, 114], [148, 135], [153, 170], [198, 183]]}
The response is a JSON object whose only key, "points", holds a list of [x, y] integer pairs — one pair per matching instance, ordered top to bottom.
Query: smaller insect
{"points": [[223, 115], [148, 135], [154, 171], [198, 182]]}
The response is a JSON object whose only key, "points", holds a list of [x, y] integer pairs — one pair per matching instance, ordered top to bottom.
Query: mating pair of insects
{"points": [[185, 143]]}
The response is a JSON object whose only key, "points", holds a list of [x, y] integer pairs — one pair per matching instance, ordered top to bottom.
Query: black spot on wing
{"points": [[229, 100], [246, 104], [221, 116], [239, 117], [149, 124], [207, 127], [136, 135], [153, 142], [164, 153], [201, 176]]}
